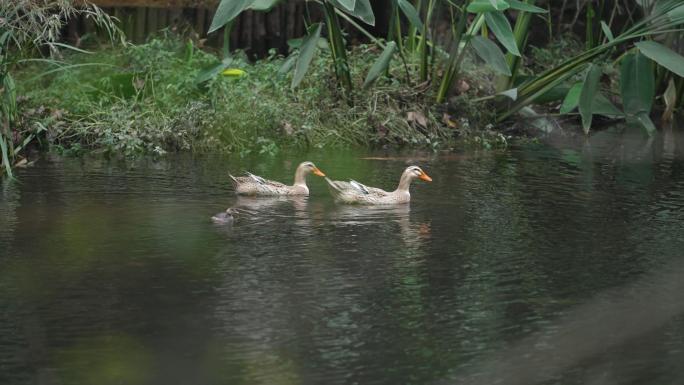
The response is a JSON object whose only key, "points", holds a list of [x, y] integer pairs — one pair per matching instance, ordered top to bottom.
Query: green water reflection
{"points": [[112, 272]]}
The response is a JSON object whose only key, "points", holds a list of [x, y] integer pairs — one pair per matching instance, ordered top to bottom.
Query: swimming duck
{"points": [[256, 185], [355, 192], [225, 218]]}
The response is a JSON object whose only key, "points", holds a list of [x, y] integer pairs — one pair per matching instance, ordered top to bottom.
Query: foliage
{"points": [[27, 26], [637, 71], [146, 99]]}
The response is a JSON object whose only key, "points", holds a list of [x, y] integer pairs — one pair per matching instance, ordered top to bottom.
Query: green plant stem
{"points": [[337, 47], [423, 51]]}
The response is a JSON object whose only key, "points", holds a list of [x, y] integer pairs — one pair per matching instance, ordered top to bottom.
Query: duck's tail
{"points": [[234, 180], [334, 187]]}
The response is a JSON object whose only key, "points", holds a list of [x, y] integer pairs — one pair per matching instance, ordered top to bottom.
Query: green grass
{"points": [[144, 100]]}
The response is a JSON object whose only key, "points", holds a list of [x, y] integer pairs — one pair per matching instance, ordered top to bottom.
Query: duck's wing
{"points": [[255, 178], [264, 182], [360, 187]]}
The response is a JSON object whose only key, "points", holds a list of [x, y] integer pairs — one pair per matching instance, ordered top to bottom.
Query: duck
{"points": [[257, 186], [353, 192], [226, 217]]}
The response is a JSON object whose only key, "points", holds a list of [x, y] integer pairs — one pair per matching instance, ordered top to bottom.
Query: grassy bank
{"points": [[147, 99]]}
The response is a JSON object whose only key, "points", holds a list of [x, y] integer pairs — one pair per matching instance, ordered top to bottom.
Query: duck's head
{"points": [[309, 167], [417, 172]]}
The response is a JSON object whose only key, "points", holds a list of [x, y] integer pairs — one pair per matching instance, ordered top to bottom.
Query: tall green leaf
{"points": [[479, 6], [227, 11], [411, 13], [499, 24], [306, 53], [491, 54], [663, 56], [381, 65], [637, 83], [587, 95]]}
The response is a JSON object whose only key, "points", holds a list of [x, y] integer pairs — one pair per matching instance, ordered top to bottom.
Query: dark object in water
{"points": [[225, 218]]}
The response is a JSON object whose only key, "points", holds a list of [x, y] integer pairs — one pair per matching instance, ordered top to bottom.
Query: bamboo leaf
{"points": [[479, 6], [520, 6], [227, 11], [411, 14], [499, 24], [306, 53], [491, 54], [663, 56], [381, 65], [637, 84], [587, 95], [571, 100]]}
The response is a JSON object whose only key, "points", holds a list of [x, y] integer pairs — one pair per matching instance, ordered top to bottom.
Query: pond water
{"points": [[543, 263]]}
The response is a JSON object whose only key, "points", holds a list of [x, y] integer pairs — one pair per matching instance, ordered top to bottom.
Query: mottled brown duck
{"points": [[257, 186]]}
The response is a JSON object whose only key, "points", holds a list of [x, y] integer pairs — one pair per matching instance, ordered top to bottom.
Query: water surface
{"points": [[543, 263]]}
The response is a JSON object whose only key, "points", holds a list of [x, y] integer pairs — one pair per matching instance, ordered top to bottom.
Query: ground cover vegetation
{"points": [[421, 82]]}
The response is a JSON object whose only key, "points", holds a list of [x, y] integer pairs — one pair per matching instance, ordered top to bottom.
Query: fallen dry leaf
{"points": [[417, 117]]}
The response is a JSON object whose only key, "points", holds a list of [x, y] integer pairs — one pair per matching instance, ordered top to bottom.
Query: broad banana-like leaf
{"points": [[263, 5], [347, 5], [227, 11], [364, 11], [498, 23], [306, 53], [491, 54], [663, 56], [381, 65], [637, 83], [637, 86]]}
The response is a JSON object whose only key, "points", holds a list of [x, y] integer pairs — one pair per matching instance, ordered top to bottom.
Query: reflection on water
{"points": [[543, 263]]}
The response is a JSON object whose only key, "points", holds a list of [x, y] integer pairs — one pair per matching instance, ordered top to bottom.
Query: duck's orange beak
{"points": [[318, 172], [425, 177]]}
